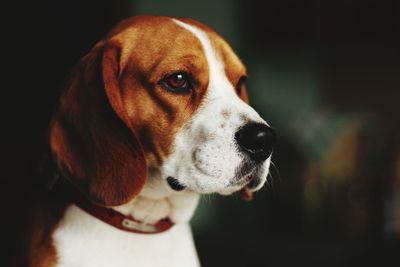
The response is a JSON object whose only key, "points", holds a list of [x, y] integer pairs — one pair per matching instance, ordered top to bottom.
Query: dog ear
{"points": [[243, 94], [92, 138]]}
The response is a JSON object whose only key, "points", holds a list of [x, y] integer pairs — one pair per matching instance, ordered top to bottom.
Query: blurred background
{"points": [[325, 74]]}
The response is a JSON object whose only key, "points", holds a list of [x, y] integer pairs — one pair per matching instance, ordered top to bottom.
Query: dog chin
{"points": [[248, 176], [177, 185], [252, 186], [225, 190], [230, 190]]}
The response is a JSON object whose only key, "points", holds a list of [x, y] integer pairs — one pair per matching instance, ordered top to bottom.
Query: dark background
{"points": [[326, 74]]}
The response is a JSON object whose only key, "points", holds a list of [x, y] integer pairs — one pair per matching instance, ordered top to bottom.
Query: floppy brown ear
{"points": [[91, 136]]}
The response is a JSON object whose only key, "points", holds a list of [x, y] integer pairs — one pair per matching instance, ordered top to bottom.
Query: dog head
{"points": [[160, 93]]}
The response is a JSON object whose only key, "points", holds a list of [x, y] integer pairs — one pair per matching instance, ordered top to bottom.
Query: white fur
{"points": [[205, 159], [157, 200], [84, 241]]}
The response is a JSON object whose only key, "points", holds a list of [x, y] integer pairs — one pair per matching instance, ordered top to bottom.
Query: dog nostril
{"points": [[257, 140]]}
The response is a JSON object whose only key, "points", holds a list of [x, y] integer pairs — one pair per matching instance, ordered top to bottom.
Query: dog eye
{"points": [[178, 82], [240, 84]]}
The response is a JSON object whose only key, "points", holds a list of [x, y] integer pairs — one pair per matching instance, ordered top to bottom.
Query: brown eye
{"points": [[178, 82]]}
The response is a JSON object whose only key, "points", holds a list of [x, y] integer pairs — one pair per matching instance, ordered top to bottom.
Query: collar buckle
{"points": [[133, 225]]}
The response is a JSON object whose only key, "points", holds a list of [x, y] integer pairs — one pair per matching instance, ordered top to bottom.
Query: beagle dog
{"points": [[153, 116]]}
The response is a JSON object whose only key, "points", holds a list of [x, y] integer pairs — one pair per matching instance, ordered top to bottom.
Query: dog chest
{"points": [[82, 240]]}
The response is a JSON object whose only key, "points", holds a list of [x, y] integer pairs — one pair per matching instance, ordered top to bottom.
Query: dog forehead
{"points": [[151, 39], [147, 41], [221, 54]]}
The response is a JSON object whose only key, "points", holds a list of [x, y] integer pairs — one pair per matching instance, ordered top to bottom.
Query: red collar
{"points": [[109, 216], [123, 222]]}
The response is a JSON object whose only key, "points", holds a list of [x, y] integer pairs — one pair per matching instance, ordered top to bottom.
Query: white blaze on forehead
{"points": [[217, 77], [219, 86]]}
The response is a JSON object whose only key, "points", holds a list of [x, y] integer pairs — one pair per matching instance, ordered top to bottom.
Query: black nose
{"points": [[256, 140]]}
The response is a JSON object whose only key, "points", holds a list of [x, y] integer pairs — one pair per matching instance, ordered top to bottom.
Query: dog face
{"points": [[177, 89], [208, 155]]}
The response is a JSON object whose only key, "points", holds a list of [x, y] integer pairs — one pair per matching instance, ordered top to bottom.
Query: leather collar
{"points": [[60, 183], [121, 221]]}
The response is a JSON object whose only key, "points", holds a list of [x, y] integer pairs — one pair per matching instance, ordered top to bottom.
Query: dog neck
{"points": [[157, 201]]}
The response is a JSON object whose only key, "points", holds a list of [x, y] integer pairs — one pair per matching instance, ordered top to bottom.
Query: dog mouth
{"points": [[246, 172], [248, 177], [248, 181], [175, 184]]}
